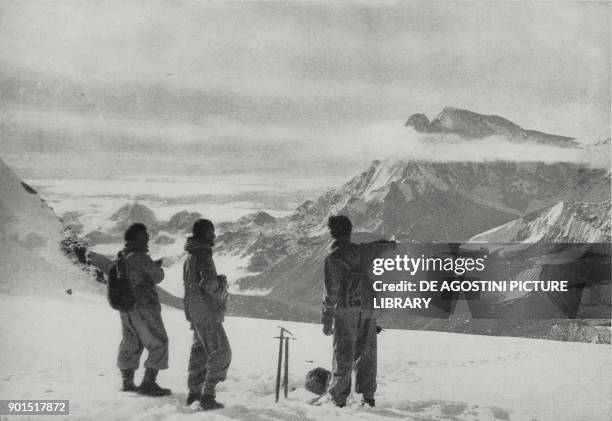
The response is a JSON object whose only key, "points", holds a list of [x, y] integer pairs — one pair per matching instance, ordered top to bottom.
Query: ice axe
{"points": [[282, 338]]}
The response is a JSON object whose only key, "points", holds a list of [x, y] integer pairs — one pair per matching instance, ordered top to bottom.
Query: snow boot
{"points": [[128, 380], [148, 386], [192, 397], [369, 401], [208, 403]]}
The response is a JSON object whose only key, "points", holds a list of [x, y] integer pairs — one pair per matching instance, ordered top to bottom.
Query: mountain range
{"points": [[410, 201], [417, 201]]}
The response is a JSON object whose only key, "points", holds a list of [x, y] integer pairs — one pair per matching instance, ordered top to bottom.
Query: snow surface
{"points": [[25, 219], [510, 230], [65, 348]]}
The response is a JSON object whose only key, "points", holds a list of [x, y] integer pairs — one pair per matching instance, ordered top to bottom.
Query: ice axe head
{"points": [[283, 330]]}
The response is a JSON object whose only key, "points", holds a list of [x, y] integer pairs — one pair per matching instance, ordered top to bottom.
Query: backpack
{"points": [[354, 285], [351, 288], [358, 290], [120, 294]]}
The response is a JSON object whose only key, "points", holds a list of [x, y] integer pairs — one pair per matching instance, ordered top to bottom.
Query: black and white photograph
{"points": [[305, 210]]}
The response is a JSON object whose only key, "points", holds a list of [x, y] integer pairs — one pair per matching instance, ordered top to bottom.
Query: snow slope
{"points": [[25, 218], [563, 222], [30, 233], [65, 348]]}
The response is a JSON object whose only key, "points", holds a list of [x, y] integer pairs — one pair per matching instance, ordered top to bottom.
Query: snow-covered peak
{"points": [[512, 188], [24, 217], [260, 218], [181, 221], [562, 222]]}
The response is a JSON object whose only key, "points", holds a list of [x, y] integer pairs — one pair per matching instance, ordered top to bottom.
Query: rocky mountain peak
{"points": [[419, 122], [471, 125], [603, 140], [134, 212], [262, 218], [182, 221], [562, 222]]}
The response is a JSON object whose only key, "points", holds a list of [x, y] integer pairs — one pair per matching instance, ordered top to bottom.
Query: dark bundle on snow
{"points": [[317, 380]]}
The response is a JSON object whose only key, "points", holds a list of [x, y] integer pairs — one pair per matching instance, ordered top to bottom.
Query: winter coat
{"points": [[143, 274], [347, 281], [205, 291]]}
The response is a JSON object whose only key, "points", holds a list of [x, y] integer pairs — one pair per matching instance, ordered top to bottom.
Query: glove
{"points": [[222, 281], [221, 293], [328, 325]]}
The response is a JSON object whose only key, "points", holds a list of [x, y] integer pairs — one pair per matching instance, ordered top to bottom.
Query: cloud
{"points": [[545, 65], [307, 87], [86, 127], [387, 141], [237, 144]]}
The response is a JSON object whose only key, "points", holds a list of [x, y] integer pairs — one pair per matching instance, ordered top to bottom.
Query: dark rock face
{"points": [[419, 122], [471, 125], [28, 188], [132, 213], [262, 218], [182, 221], [257, 235], [75, 249]]}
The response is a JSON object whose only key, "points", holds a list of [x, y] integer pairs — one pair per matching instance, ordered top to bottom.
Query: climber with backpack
{"points": [[131, 290], [348, 312]]}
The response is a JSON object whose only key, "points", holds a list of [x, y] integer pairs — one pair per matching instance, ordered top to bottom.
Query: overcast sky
{"points": [[251, 80]]}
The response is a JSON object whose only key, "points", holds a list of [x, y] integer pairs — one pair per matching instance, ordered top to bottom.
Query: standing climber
{"points": [[205, 301], [348, 312], [142, 324]]}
